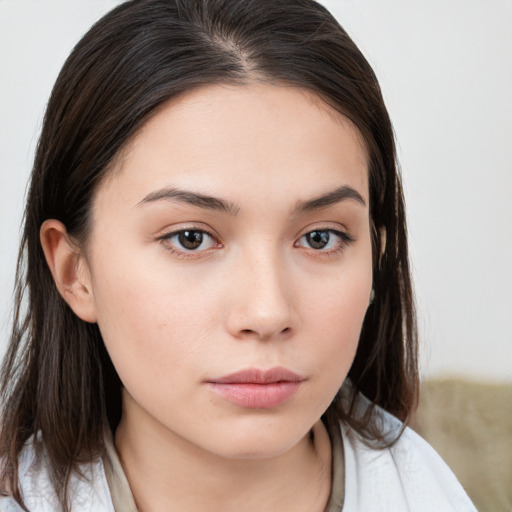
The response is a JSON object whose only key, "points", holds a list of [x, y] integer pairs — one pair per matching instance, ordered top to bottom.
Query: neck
{"points": [[166, 471]]}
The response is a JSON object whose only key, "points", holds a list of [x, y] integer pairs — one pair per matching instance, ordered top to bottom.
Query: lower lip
{"points": [[256, 396]]}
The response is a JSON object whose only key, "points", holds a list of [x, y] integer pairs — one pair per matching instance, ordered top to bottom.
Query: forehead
{"points": [[257, 133]]}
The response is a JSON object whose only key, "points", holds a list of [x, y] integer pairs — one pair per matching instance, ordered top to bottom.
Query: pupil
{"points": [[190, 239], [318, 239]]}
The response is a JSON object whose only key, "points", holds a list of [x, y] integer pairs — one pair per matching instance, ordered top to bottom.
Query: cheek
{"points": [[339, 299], [336, 309], [148, 318], [338, 324]]}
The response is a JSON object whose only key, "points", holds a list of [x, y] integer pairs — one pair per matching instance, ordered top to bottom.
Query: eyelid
{"points": [[187, 226], [326, 226]]}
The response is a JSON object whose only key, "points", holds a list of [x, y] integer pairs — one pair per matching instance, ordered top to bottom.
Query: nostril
{"points": [[265, 335]]}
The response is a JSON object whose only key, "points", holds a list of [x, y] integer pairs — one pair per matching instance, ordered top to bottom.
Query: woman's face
{"points": [[230, 267]]}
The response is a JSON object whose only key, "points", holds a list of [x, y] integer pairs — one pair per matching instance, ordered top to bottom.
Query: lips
{"points": [[257, 389]]}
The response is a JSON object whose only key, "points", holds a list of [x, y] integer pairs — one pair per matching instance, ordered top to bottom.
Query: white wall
{"points": [[446, 71]]}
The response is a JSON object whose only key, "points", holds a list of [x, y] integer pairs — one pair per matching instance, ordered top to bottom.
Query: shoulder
{"points": [[407, 476], [88, 493]]}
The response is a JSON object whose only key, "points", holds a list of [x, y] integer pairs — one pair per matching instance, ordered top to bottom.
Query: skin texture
{"points": [[254, 294]]}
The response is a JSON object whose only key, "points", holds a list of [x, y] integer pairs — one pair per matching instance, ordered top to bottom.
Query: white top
{"points": [[409, 476]]}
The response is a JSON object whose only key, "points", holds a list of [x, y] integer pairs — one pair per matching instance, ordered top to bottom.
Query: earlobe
{"points": [[383, 241], [69, 269]]}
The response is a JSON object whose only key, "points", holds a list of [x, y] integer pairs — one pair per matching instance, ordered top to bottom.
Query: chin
{"points": [[260, 442]]}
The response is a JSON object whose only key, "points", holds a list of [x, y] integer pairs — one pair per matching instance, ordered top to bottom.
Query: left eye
{"points": [[323, 239], [190, 240]]}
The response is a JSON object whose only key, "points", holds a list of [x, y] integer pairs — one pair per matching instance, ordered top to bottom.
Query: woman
{"points": [[220, 311]]}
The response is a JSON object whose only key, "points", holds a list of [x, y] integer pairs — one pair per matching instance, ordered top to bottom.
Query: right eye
{"points": [[189, 240]]}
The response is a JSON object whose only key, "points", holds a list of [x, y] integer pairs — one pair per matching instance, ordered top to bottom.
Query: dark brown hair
{"points": [[57, 378]]}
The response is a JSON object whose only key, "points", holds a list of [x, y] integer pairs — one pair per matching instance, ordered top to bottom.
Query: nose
{"points": [[261, 306]]}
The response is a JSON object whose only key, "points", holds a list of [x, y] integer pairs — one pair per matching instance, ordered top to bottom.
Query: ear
{"points": [[69, 269]]}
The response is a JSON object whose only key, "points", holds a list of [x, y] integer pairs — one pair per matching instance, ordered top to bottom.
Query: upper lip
{"points": [[257, 376]]}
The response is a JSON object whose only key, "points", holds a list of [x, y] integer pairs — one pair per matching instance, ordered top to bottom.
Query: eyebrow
{"points": [[335, 196], [192, 198], [214, 203]]}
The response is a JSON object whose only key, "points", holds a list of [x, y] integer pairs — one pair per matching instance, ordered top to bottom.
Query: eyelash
{"points": [[344, 240]]}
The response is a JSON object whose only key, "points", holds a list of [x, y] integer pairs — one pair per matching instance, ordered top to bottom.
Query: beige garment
{"points": [[120, 491], [122, 497]]}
